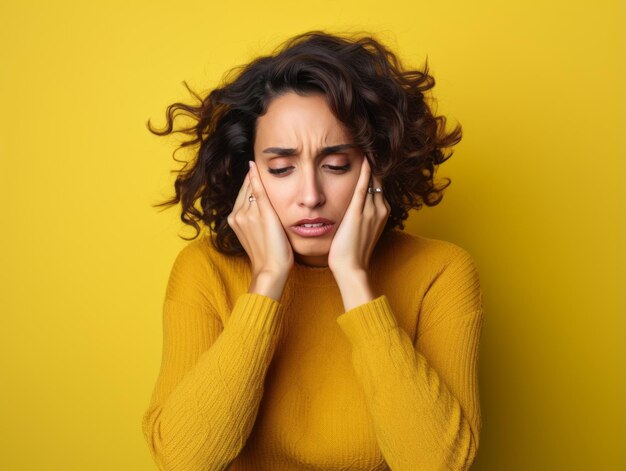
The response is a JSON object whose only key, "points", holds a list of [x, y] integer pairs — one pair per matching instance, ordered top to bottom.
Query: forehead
{"points": [[295, 116]]}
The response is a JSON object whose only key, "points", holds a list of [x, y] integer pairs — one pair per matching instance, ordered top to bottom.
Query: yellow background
{"points": [[537, 197]]}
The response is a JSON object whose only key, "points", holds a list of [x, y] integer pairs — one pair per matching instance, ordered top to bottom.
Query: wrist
{"points": [[348, 276], [268, 284], [355, 288]]}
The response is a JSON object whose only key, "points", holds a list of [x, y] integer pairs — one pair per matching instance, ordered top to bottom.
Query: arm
{"points": [[209, 388], [423, 397]]}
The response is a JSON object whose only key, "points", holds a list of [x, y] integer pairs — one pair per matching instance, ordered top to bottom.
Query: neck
{"points": [[318, 261]]}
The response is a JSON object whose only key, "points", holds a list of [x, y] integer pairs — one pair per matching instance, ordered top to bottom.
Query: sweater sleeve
{"points": [[210, 384], [423, 397]]}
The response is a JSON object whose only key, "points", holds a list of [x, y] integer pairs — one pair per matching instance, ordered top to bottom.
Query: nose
{"points": [[311, 194]]}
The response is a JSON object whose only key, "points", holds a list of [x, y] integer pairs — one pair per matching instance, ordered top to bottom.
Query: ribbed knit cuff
{"points": [[257, 313], [368, 323]]}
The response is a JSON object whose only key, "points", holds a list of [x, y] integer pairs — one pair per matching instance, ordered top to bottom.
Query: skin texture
{"points": [[308, 188]]}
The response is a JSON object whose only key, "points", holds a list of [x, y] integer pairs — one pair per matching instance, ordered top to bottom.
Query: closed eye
{"points": [[339, 169], [277, 170]]}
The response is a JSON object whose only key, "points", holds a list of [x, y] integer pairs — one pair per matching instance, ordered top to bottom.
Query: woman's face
{"points": [[295, 137]]}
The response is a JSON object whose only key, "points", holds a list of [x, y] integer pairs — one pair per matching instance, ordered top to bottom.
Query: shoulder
{"points": [[405, 247], [201, 254], [192, 257], [425, 263], [197, 268]]}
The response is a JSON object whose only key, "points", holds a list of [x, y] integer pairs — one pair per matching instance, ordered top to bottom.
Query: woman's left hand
{"points": [[360, 228]]}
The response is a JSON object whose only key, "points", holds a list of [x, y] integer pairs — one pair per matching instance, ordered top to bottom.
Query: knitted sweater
{"points": [[251, 383]]}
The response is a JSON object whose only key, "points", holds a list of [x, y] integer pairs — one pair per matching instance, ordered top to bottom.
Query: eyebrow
{"points": [[289, 152]]}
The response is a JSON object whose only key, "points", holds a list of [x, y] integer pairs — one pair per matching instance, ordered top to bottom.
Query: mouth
{"points": [[313, 227]]}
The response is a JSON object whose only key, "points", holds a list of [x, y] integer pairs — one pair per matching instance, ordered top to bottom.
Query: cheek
{"points": [[276, 193], [346, 194]]}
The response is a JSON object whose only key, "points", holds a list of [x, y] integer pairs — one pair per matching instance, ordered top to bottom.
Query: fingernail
{"points": [[250, 163]]}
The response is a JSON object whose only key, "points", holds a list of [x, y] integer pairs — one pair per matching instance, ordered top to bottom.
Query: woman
{"points": [[306, 330]]}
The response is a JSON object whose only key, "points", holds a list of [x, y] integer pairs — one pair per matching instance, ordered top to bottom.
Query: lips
{"points": [[313, 221], [324, 228]]}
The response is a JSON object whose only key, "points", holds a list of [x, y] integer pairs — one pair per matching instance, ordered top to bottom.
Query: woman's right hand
{"points": [[261, 233]]}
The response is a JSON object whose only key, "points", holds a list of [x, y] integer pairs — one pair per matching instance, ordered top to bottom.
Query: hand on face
{"points": [[361, 226], [258, 228]]}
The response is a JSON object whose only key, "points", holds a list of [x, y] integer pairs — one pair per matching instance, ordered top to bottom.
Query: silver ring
{"points": [[371, 190], [251, 198]]}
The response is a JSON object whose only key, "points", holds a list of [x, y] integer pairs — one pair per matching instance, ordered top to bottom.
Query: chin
{"points": [[312, 247]]}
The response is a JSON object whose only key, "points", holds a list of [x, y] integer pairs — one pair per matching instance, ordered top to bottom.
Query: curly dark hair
{"points": [[382, 105]]}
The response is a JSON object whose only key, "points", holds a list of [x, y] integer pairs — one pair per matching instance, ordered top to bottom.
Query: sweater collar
{"points": [[302, 274]]}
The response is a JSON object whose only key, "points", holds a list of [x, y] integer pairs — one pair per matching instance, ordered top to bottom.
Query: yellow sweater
{"points": [[251, 383]]}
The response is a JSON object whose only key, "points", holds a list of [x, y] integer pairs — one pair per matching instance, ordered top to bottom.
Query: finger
{"points": [[376, 184], [257, 188], [360, 191], [379, 198], [370, 208]]}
